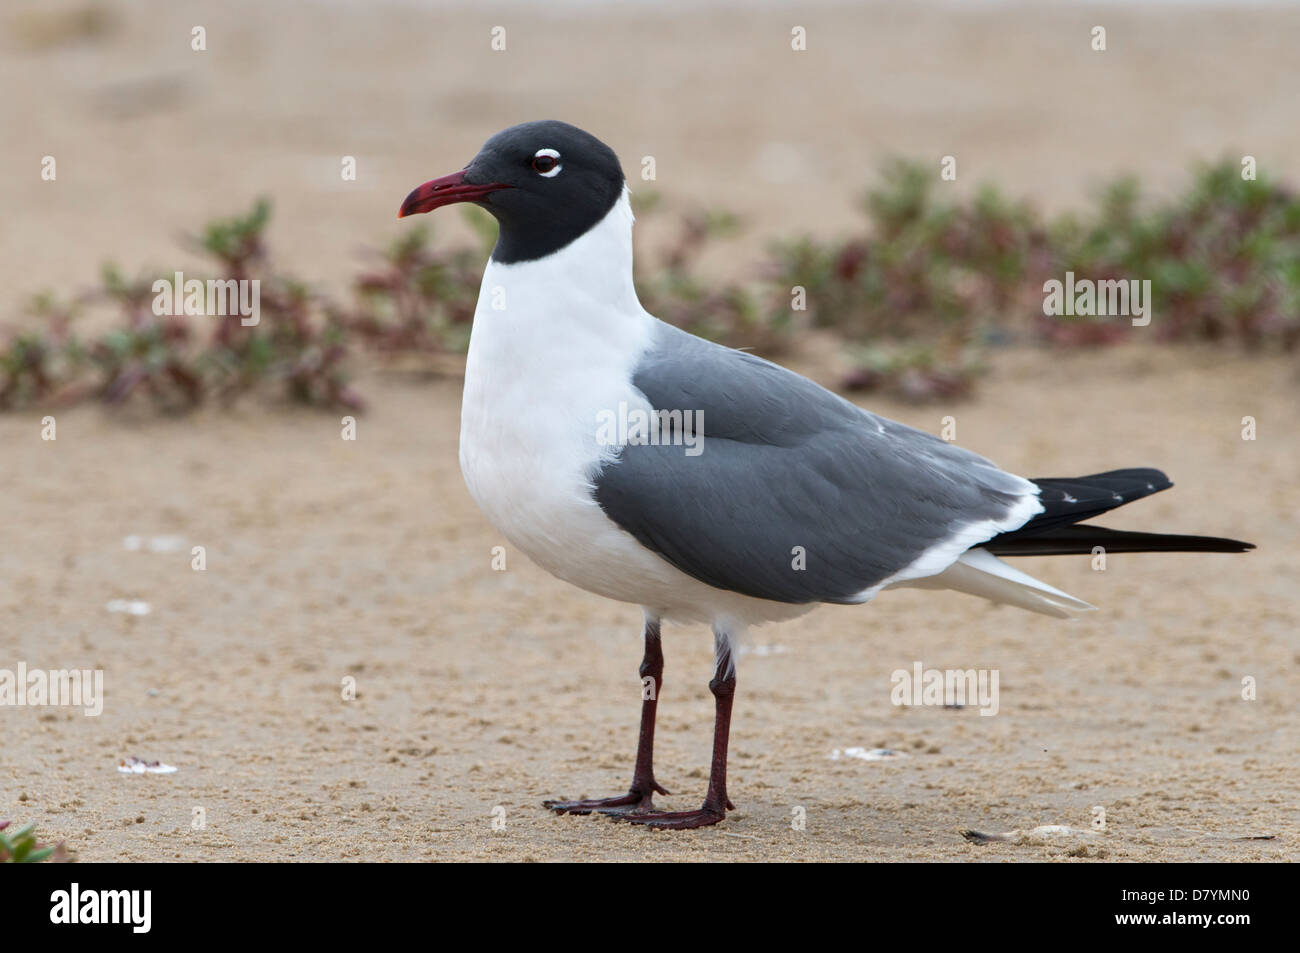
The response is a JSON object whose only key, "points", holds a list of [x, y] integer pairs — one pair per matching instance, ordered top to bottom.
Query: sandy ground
{"points": [[481, 689]]}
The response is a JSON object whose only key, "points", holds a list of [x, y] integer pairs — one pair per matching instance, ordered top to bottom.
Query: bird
{"points": [[702, 483]]}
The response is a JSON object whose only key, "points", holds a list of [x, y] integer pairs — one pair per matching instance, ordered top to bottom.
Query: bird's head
{"points": [[546, 183]]}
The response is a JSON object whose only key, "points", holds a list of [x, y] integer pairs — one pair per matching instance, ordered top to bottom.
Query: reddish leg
{"points": [[640, 794], [715, 805]]}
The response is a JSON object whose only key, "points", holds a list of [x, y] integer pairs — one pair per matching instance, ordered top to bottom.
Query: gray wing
{"points": [[784, 463]]}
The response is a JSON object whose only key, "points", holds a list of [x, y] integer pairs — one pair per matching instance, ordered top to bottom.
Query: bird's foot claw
{"points": [[631, 802]]}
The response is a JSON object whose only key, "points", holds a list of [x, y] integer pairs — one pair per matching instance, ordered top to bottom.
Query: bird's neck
{"points": [[589, 277], [554, 322]]}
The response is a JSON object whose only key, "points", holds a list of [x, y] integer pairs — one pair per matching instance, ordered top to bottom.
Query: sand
{"points": [[481, 690]]}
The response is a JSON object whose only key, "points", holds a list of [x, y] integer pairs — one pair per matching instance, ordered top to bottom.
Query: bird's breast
{"points": [[537, 380]]}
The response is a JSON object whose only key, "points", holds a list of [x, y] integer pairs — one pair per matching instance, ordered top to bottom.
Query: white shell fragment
{"points": [[155, 544], [129, 606], [761, 651], [867, 754], [137, 766], [1037, 835]]}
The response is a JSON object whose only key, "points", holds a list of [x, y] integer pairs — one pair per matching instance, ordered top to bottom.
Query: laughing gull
{"points": [[702, 483]]}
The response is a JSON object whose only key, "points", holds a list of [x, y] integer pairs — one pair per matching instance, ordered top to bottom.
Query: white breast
{"points": [[555, 343]]}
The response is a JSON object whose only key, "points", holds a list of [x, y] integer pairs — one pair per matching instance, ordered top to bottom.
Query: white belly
{"points": [[532, 481]]}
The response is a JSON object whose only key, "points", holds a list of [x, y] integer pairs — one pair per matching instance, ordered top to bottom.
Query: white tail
{"points": [[980, 573]]}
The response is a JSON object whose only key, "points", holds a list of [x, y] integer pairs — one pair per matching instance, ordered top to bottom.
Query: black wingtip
{"points": [[1082, 537], [1217, 544]]}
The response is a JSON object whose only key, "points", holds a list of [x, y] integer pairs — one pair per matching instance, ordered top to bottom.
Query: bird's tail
{"points": [[1058, 531], [978, 572]]}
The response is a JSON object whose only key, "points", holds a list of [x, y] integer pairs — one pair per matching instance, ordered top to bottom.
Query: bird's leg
{"points": [[640, 795], [715, 805]]}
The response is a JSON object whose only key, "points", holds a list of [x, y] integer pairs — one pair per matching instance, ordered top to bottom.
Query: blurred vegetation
{"points": [[932, 282], [671, 288], [918, 297], [302, 345], [21, 847]]}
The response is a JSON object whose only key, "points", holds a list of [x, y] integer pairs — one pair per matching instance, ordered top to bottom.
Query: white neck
{"points": [[595, 268], [576, 305], [555, 334]]}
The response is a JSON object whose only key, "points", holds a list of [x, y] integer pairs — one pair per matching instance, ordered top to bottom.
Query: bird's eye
{"points": [[546, 162]]}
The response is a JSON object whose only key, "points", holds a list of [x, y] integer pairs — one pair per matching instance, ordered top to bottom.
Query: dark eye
{"points": [[544, 164]]}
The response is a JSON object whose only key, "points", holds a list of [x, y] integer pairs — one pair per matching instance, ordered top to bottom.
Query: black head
{"points": [[546, 183]]}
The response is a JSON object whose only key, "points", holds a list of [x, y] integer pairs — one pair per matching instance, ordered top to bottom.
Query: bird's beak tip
{"points": [[445, 191]]}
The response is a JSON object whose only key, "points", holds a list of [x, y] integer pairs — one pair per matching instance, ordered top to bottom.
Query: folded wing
{"points": [[797, 495]]}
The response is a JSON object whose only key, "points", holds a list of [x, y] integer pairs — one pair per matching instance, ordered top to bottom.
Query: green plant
{"points": [[419, 299], [729, 313], [21, 847]]}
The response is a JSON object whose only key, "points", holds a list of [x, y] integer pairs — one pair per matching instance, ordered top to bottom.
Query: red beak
{"points": [[445, 191]]}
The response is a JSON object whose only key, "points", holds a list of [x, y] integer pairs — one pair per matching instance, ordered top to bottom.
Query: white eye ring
{"points": [[548, 154]]}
